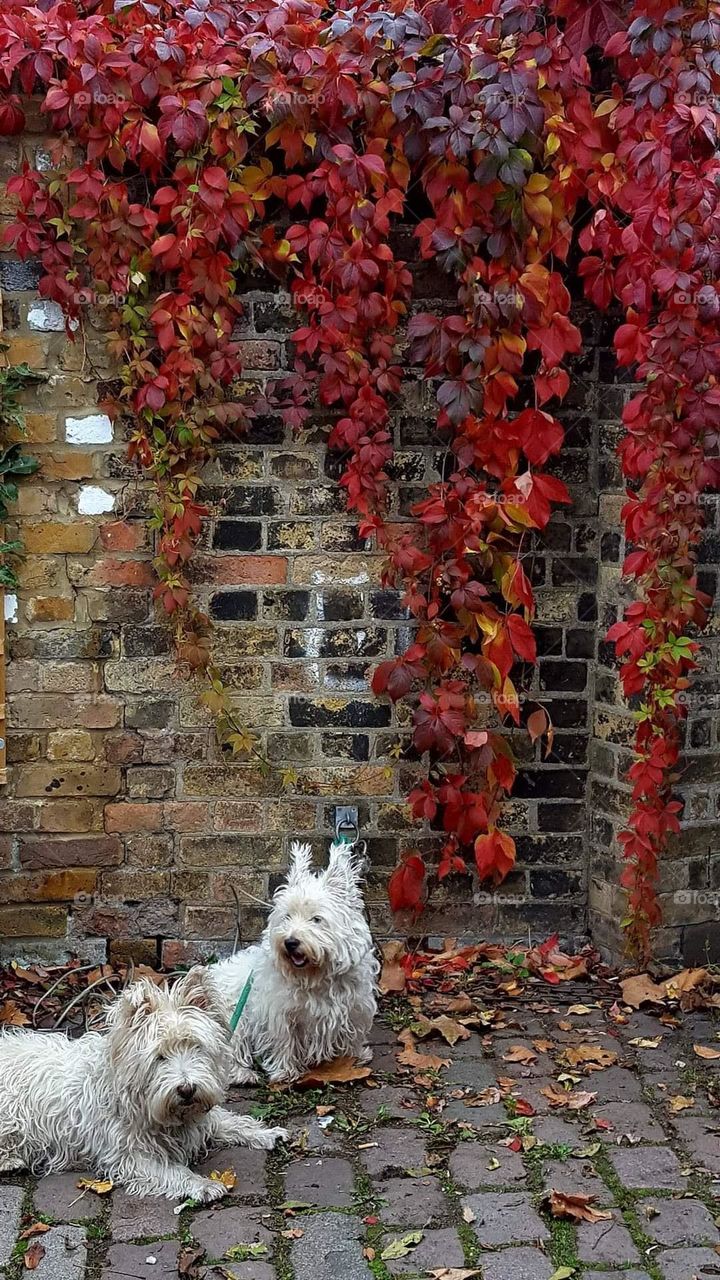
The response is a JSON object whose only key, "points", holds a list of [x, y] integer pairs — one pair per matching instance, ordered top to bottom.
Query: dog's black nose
{"points": [[292, 945], [186, 1092]]}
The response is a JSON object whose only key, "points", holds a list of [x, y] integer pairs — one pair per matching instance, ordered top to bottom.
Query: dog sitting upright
{"points": [[314, 970], [136, 1103]]}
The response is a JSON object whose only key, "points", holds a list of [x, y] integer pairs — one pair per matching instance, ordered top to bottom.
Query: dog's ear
{"points": [[300, 862], [344, 870], [197, 991], [138, 1000]]}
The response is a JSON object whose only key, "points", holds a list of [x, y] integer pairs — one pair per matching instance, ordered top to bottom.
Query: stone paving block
{"points": [[470, 1048], [471, 1073], [614, 1084], [531, 1091], [390, 1100], [488, 1117], [629, 1117], [554, 1131], [307, 1134], [701, 1138], [395, 1151], [247, 1165], [469, 1165], [648, 1167], [575, 1177], [325, 1182], [59, 1196], [11, 1199], [411, 1200], [133, 1217], [504, 1217], [674, 1222], [217, 1230], [606, 1241], [330, 1249], [436, 1249], [65, 1254], [142, 1261], [518, 1264], [685, 1264], [615, 1275]]}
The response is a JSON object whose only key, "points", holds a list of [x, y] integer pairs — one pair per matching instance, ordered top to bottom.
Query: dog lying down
{"points": [[313, 996], [136, 1103]]}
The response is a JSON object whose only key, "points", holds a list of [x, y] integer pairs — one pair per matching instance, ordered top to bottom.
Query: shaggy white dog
{"points": [[313, 996], [136, 1103]]}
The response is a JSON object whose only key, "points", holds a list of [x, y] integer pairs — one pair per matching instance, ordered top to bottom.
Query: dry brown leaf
{"points": [[27, 975], [393, 975], [686, 980], [640, 989], [455, 1004], [581, 1010], [12, 1016], [448, 1028], [647, 1042], [543, 1046], [706, 1051], [520, 1053], [409, 1056], [592, 1057], [339, 1071], [485, 1098], [574, 1100], [680, 1103], [228, 1178], [101, 1187], [576, 1207], [468, 1215], [37, 1229], [293, 1233], [33, 1256], [452, 1273]]}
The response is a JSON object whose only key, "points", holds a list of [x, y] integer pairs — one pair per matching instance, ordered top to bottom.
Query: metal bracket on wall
{"points": [[347, 826]]}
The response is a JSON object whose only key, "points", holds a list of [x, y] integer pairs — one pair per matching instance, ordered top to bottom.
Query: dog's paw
{"points": [[365, 1054], [244, 1075], [269, 1137], [208, 1191]]}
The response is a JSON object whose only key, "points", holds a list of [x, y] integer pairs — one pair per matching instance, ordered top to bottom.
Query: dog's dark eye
{"points": [[317, 919]]}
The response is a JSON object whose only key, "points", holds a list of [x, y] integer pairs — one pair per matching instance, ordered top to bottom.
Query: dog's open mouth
{"points": [[298, 960]]}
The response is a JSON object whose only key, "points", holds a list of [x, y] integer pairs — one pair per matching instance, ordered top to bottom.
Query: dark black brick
{"points": [[19, 275], [253, 500], [237, 535], [341, 536], [558, 536], [610, 548], [570, 570], [234, 606], [287, 606], [342, 606], [587, 607], [548, 640], [146, 642], [348, 642], [580, 644], [566, 676], [150, 715], [357, 715], [700, 733], [348, 746], [295, 747], [570, 748], [533, 784], [561, 817], [542, 848], [554, 884]]}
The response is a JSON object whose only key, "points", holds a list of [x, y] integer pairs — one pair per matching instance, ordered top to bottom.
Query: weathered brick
{"points": [[59, 539], [239, 571], [50, 609], [70, 780], [70, 815], [127, 816], [89, 851], [49, 886], [33, 922]]}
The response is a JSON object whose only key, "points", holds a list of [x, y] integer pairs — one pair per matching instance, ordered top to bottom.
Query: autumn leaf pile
{"points": [[201, 142]]}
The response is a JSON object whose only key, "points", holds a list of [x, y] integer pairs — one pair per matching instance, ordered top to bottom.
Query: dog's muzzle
{"points": [[295, 952]]}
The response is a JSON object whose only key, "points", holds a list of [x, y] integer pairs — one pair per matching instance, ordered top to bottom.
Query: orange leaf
{"points": [[392, 977], [409, 1057], [339, 1071], [578, 1208]]}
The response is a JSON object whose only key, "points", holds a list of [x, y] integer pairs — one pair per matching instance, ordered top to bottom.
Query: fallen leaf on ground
{"points": [[393, 976], [686, 980], [640, 989], [580, 1010], [12, 1016], [448, 1028], [647, 1042], [543, 1046], [706, 1051], [519, 1053], [409, 1056], [593, 1057], [339, 1071], [485, 1098], [574, 1100], [680, 1103], [524, 1108], [228, 1178], [101, 1188], [578, 1208], [468, 1215], [37, 1229], [293, 1233], [402, 1246], [241, 1252], [369, 1253], [33, 1256], [188, 1262], [452, 1273], [564, 1273]]}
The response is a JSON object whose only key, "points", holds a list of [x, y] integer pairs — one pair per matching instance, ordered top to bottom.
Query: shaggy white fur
{"points": [[314, 974], [135, 1103]]}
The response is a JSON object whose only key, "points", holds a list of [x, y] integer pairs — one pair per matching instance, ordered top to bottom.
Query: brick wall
{"points": [[125, 828]]}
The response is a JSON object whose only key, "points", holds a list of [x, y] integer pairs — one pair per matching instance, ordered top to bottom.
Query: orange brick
{"points": [[27, 351], [40, 428], [67, 466], [122, 536], [59, 539], [242, 570], [121, 573], [50, 609], [76, 816], [186, 816], [125, 817], [48, 886]]}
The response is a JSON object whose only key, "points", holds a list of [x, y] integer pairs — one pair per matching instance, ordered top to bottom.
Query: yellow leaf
{"points": [[606, 108], [552, 144], [680, 1103], [228, 1178], [90, 1184]]}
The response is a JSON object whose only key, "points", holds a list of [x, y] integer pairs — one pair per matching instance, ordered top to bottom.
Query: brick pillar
{"points": [[690, 872]]}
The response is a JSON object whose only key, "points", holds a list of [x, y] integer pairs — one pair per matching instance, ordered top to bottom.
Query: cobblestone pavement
{"points": [[407, 1178]]}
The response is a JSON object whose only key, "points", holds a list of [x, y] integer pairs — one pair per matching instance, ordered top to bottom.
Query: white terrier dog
{"points": [[314, 974], [135, 1104]]}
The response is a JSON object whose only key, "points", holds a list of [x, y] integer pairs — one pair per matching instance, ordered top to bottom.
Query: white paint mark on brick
{"points": [[43, 161], [46, 316], [95, 428], [94, 501], [11, 608]]}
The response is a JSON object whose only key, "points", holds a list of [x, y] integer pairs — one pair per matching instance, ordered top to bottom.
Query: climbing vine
{"points": [[215, 140], [14, 462]]}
